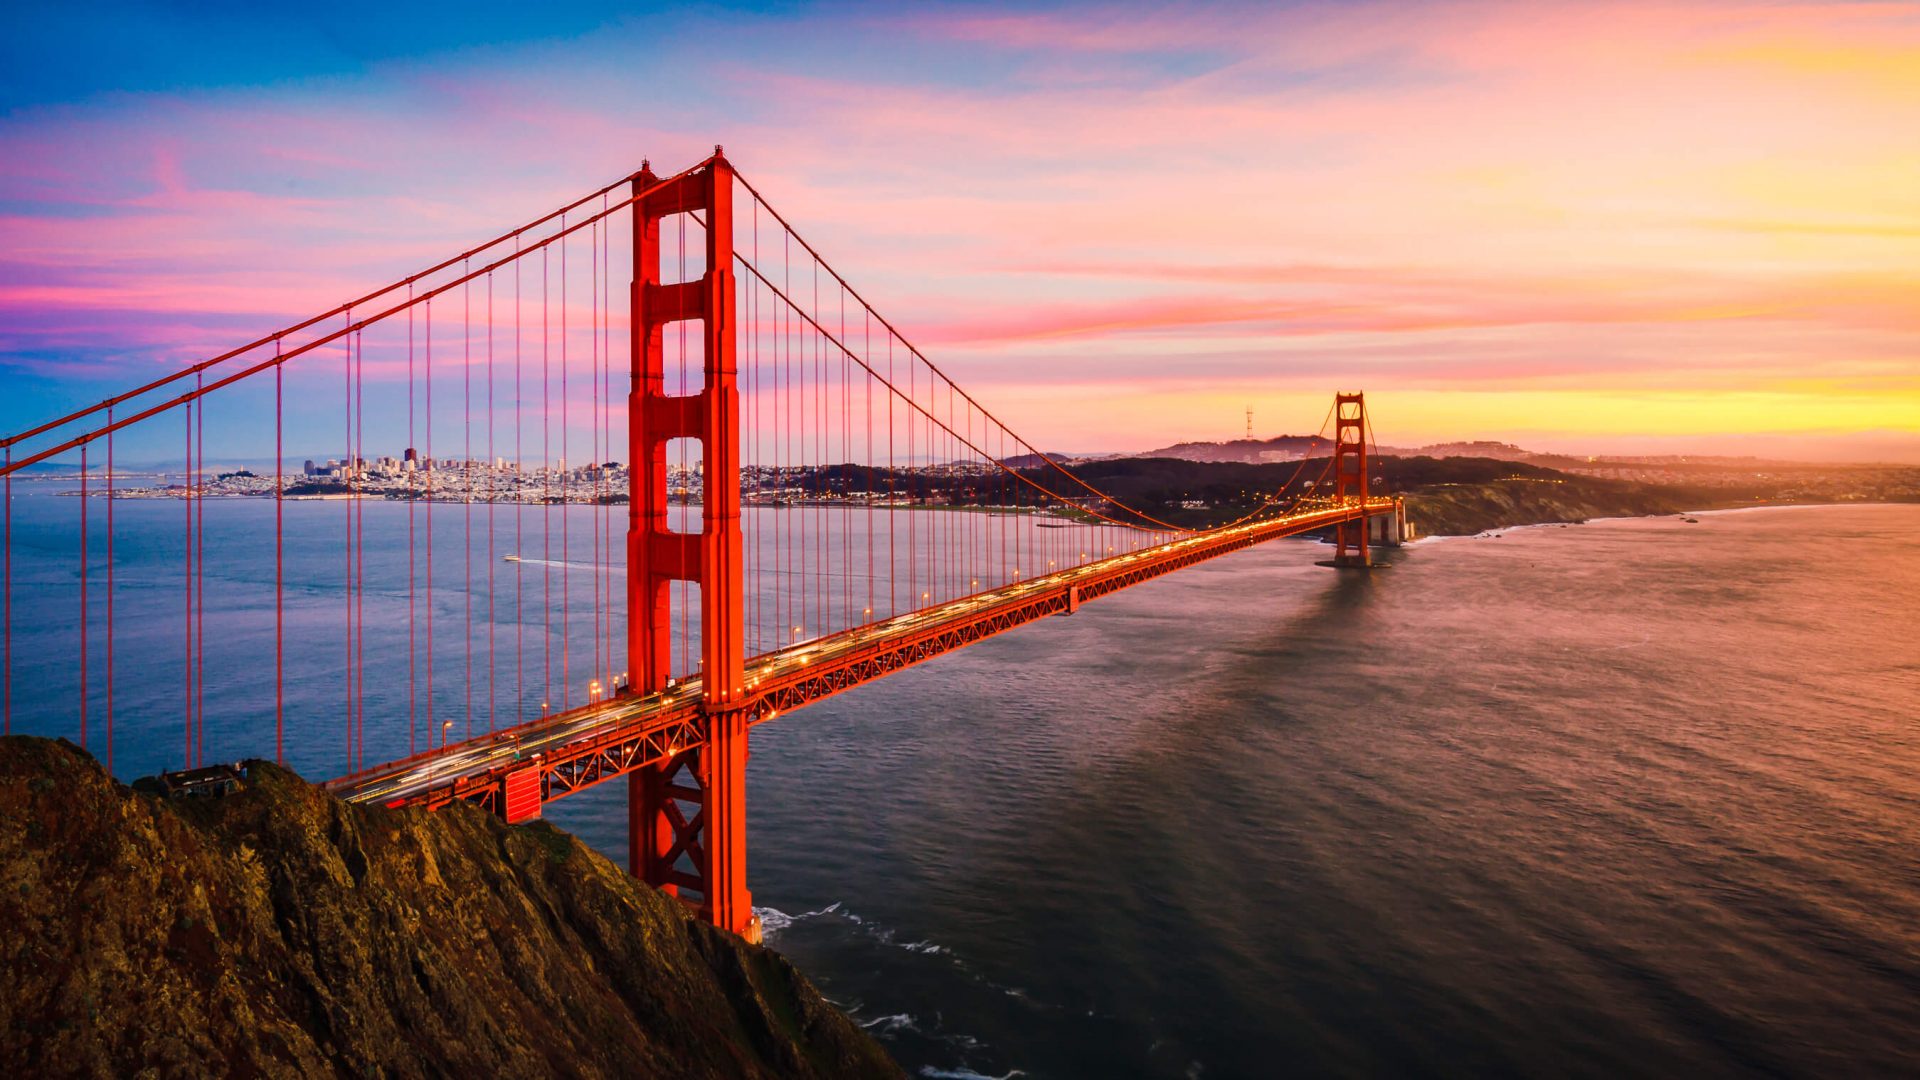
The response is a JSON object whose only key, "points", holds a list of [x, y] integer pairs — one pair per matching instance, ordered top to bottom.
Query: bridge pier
{"points": [[1389, 530], [1352, 550]]}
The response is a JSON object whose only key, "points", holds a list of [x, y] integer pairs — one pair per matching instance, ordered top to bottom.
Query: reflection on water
{"points": [[1635, 795]]}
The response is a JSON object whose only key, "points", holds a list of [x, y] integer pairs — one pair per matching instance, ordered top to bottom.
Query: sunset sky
{"points": [[1599, 228]]}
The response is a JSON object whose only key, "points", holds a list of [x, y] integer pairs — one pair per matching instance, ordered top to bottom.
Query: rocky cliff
{"points": [[1467, 508], [280, 932]]}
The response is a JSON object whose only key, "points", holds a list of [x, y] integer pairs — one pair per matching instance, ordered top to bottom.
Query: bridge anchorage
{"points": [[783, 439]]}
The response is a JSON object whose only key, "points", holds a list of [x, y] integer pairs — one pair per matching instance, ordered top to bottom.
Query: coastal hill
{"points": [[1295, 447], [1250, 451], [1454, 494], [1446, 496], [280, 932]]}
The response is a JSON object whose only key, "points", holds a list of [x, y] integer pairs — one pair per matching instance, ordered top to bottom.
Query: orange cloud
{"points": [[1438, 197]]}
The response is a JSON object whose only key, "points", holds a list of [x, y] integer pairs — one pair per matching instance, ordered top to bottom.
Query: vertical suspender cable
{"points": [[866, 350], [358, 356], [866, 388], [593, 414], [783, 445], [603, 450], [846, 457], [466, 476], [493, 478], [915, 480], [546, 496], [519, 501], [609, 543], [347, 548], [279, 574], [110, 575], [893, 577], [610, 584], [682, 586], [200, 589], [83, 596], [819, 625], [186, 664], [412, 683], [566, 687], [430, 716]]}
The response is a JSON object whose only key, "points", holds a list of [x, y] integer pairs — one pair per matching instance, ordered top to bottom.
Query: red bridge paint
{"points": [[520, 795], [694, 804]]}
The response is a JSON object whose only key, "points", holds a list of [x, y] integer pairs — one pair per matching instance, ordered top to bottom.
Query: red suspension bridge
{"points": [[781, 441]]}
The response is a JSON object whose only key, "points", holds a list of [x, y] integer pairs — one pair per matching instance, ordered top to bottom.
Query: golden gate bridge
{"points": [[657, 643]]}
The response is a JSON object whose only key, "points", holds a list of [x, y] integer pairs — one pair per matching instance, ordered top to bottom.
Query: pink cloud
{"points": [[1478, 181]]}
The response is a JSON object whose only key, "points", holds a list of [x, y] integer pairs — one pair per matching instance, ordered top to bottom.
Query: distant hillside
{"points": [[1294, 447], [1482, 448], [1250, 451], [1029, 461], [56, 469], [1446, 495], [1463, 508], [281, 932]]}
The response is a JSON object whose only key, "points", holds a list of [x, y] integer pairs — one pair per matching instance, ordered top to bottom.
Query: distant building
{"points": [[214, 781]]}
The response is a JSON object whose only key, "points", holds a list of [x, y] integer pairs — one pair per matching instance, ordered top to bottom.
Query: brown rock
{"points": [[281, 932]]}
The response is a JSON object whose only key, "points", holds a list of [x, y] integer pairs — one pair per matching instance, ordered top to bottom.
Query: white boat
{"points": [[509, 558]]}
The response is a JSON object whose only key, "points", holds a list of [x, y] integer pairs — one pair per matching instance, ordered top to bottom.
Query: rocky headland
{"points": [[1463, 509], [280, 932]]}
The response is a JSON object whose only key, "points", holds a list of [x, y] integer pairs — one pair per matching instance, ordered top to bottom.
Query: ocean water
{"points": [[492, 641], [1638, 796], [1632, 797]]}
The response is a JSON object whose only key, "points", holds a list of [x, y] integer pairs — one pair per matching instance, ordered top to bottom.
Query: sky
{"points": [[1592, 228]]}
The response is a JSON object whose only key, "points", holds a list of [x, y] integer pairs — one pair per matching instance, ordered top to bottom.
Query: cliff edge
{"points": [[1469, 508], [280, 932]]}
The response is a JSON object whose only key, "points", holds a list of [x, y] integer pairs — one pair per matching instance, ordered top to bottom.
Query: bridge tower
{"points": [[1351, 548], [689, 811]]}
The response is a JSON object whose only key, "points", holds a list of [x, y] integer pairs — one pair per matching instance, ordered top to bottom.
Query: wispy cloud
{"points": [[1581, 197]]}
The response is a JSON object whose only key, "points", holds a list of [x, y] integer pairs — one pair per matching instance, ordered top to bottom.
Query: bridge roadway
{"points": [[609, 738]]}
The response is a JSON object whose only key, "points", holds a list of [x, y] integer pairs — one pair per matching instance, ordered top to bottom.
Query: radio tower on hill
{"points": [[1249, 423]]}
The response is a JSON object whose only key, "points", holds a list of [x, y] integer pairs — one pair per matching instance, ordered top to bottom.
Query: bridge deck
{"points": [[597, 742]]}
